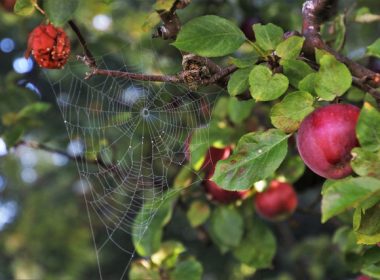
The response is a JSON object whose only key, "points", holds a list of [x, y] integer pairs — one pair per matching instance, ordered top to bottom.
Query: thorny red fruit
{"points": [[49, 45], [326, 137], [215, 192], [277, 202]]}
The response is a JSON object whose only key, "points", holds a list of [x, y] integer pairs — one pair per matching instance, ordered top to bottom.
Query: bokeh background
{"points": [[44, 227]]}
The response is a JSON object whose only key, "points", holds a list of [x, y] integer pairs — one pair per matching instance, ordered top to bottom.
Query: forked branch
{"points": [[315, 12]]}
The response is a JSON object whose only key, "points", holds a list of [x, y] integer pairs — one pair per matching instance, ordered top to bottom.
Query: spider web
{"points": [[135, 133]]}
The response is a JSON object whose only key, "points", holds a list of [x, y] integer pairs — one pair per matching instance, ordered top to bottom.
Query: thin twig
{"points": [[90, 59], [224, 72], [136, 76], [365, 87], [43, 147]]}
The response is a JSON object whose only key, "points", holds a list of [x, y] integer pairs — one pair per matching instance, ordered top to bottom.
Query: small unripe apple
{"points": [[325, 140], [213, 190], [277, 202]]}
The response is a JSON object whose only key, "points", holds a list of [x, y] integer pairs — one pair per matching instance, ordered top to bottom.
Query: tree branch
{"points": [[314, 13], [171, 22], [90, 60], [218, 73], [135, 76], [218, 76], [43, 147]]}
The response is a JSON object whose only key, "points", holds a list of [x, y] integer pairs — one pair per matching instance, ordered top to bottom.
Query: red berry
{"points": [[49, 45], [326, 137], [217, 193], [277, 202]]}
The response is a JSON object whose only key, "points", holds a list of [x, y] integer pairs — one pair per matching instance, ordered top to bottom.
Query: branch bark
{"points": [[314, 13], [90, 59]]}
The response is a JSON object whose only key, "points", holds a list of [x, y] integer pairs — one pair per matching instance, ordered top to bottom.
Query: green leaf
{"points": [[163, 4], [24, 7], [59, 12], [364, 15], [151, 21], [334, 32], [209, 36], [268, 36], [290, 48], [374, 49], [319, 53], [245, 61], [296, 71], [333, 78], [238, 82], [308, 83], [265, 86], [355, 95], [33, 109], [239, 110], [219, 111], [289, 113], [368, 128], [12, 135], [205, 137], [257, 156], [366, 163], [291, 169], [184, 178], [339, 196], [198, 213], [367, 224], [227, 226], [345, 238], [148, 240], [258, 247], [167, 255], [189, 269], [140, 271], [372, 271]]}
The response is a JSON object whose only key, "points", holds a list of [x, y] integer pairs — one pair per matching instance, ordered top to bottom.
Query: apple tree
{"points": [[282, 181]]}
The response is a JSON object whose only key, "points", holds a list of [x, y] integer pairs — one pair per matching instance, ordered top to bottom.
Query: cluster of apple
{"points": [[325, 140], [278, 201]]}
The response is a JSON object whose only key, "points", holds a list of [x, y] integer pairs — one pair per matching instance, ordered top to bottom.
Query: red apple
{"points": [[8, 4], [325, 140], [213, 155], [215, 192], [220, 195], [277, 202], [363, 277]]}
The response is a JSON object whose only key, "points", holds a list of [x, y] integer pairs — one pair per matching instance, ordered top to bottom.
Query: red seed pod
{"points": [[49, 45]]}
